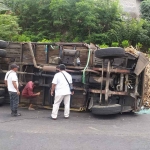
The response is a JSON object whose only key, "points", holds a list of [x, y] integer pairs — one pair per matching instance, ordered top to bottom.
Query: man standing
{"points": [[11, 80], [60, 84], [28, 93]]}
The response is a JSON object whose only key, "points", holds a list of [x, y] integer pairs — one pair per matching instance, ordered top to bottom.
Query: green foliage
{"points": [[3, 7], [145, 9], [34, 18], [96, 21], [8, 27], [131, 30], [21, 38], [76, 39], [46, 41], [125, 43], [115, 44], [103, 46], [139, 46]]}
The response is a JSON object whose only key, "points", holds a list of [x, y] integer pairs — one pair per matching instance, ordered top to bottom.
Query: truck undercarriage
{"points": [[106, 81]]}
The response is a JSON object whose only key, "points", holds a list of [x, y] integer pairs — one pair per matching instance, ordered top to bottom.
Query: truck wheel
{"points": [[3, 44], [112, 52], [2, 53], [2, 91], [2, 100], [106, 110]]}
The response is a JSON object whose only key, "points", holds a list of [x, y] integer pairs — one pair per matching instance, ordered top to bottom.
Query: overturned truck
{"points": [[106, 81]]}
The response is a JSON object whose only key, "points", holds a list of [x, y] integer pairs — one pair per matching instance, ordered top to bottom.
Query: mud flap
{"points": [[141, 64]]}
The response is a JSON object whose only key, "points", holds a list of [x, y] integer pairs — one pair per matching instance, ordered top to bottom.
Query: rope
{"points": [[52, 47], [83, 77]]}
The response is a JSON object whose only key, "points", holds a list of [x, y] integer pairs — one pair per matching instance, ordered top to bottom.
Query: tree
{"points": [[3, 7], [145, 9], [63, 13], [108, 16], [34, 17], [86, 17], [81, 20], [97, 21], [8, 27], [135, 31]]}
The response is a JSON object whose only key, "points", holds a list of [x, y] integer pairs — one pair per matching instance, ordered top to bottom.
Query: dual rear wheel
{"points": [[3, 45]]}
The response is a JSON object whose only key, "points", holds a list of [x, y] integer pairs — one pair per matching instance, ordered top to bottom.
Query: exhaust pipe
{"points": [[33, 57]]}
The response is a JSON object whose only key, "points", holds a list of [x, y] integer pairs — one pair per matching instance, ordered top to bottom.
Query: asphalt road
{"points": [[34, 130]]}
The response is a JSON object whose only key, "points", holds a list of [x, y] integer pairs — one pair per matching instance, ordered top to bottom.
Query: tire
{"points": [[3, 44], [112, 52], [2, 53], [2, 91], [2, 99], [106, 110]]}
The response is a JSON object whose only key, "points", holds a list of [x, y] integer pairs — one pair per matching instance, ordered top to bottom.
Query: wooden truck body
{"points": [[106, 81]]}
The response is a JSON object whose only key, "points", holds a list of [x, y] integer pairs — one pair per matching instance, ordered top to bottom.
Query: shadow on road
{"points": [[115, 116]]}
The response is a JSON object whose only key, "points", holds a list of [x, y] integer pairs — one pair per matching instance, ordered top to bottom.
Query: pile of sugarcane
{"points": [[132, 50], [146, 94]]}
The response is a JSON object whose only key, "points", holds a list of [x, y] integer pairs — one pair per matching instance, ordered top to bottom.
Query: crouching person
{"points": [[11, 80], [60, 85], [28, 93]]}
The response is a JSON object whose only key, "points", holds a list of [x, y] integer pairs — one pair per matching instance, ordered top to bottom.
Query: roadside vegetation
{"points": [[98, 21]]}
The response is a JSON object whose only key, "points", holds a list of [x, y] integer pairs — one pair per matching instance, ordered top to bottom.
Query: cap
{"points": [[12, 66]]}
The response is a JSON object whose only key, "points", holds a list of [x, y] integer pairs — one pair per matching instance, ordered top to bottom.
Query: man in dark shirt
{"points": [[28, 92]]}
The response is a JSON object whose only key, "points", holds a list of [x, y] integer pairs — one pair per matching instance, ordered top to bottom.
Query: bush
{"points": [[8, 27], [21, 38], [125, 43], [115, 44], [103, 46], [139, 46]]}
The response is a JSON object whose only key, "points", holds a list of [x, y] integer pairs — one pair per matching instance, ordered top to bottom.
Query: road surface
{"points": [[34, 130]]}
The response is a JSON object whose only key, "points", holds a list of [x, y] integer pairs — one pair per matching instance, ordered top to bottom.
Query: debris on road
{"points": [[144, 110]]}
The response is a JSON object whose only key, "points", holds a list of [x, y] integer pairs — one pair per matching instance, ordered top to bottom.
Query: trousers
{"points": [[14, 100], [32, 100], [57, 102]]}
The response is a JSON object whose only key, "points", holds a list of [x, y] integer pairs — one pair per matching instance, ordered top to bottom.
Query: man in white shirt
{"points": [[11, 80], [60, 84]]}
